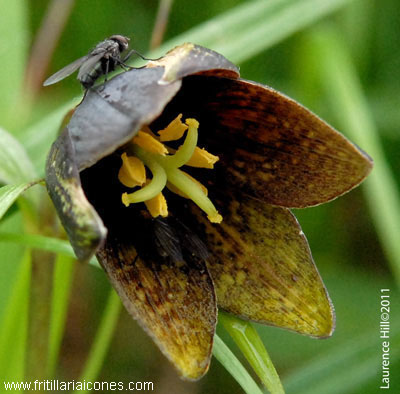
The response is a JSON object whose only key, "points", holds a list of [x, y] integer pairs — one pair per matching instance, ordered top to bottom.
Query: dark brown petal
{"points": [[189, 59], [269, 145], [84, 227], [262, 267], [174, 303]]}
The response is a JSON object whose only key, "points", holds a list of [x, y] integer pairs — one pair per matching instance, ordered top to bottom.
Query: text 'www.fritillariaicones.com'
{"points": [[58, 385]]}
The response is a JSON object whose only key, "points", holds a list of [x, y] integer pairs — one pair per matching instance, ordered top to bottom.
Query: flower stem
{"points": [[249, 342]]}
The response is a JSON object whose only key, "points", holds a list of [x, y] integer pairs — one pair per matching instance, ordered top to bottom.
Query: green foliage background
{"points": [[341, 59]]}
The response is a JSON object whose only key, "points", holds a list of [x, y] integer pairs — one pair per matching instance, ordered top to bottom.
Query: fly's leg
{"points": [[133, 51], [121, 63], [125, 66], [107, 70], [106, 74]]}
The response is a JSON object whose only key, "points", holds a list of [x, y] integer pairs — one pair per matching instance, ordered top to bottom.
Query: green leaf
{"points": [[250, 28], [15, 39], [343, 87], [38, 138], [15, 165], [9, 193], [49, 244], [10, 258], [62, 281], [14, 325], [102, 339], [249, 342], [224, 355], [355, 365]]}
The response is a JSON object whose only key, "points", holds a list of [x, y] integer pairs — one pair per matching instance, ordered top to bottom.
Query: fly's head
{"points": [[122, 41]]}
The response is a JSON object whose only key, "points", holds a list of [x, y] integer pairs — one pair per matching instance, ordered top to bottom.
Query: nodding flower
{"points": [[179, 177]]}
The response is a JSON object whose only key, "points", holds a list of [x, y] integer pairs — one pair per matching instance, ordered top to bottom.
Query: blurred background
{"points": [[339, 58]]}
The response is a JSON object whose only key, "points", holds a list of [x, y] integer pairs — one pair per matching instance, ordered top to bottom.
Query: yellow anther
{"points": [[174, 130], [149, 143], [202, 159], [132, 172], [177, 191], [157, 206]]}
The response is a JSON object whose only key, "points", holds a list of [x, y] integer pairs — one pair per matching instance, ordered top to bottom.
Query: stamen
{"points": [[174, 131], [149, 143], [202, 159], [165, 168], [132, 172], [157, 206]]}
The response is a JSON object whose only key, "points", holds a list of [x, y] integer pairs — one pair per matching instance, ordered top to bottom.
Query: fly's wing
{"points": [[90, 62], [66, 71]]}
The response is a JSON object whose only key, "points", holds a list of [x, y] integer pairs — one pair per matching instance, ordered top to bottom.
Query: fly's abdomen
{"points": [[88, 79]]}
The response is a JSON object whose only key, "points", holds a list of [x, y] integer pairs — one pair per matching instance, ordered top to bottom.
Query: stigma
{"points": [[147, 154]]}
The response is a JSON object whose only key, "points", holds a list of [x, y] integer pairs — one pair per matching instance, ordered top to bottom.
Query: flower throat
{"points": [[147, 149]]}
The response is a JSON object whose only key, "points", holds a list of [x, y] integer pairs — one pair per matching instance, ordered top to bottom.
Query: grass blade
{"points": [[251, 28], [14, 48], [343, 88], [38, 138], [15, 165], [9, 193], [39, 242], [42, 242], [62, 282], [14, 325], [102, 339], [249, 342], [224, 355], [355, 365]]}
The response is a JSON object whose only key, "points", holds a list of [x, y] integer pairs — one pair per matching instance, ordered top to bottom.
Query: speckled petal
{"points": [[269, 145], [83, 225], [262, 267], [158, 268], [174, 303]]}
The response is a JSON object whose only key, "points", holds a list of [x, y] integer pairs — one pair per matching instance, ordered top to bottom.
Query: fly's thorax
{"points": [[108, 45]]}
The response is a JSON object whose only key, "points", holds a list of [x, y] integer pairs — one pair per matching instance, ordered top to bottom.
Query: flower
{"points": [[261, 153]]}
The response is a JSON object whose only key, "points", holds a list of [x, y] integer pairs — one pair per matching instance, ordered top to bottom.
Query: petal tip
{"points": [[188, 59], [327, 329]]}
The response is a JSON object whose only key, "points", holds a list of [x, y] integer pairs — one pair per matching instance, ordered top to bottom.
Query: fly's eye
{"points": [[123, 42]]}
